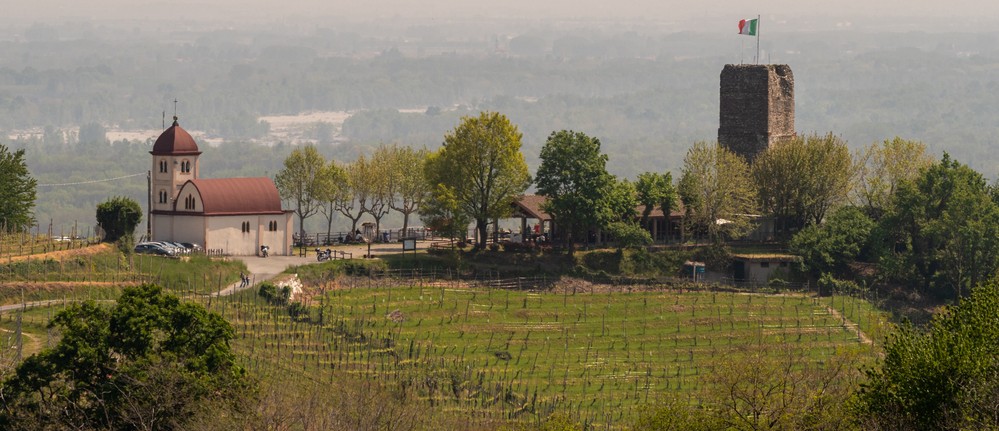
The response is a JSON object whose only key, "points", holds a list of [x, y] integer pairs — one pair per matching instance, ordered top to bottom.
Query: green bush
{"points": [[629, 235], [716, 257], [603, 260], [666, 262], [275, 296], [299, 312]]}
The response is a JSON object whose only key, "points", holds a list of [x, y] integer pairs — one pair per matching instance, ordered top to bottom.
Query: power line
{"points": [[91, 181]]}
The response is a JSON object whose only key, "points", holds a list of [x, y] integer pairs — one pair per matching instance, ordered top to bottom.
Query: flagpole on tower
{"points": [[758, 39]]}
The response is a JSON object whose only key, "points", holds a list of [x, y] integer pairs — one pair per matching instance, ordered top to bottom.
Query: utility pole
{"points": [[149, 204]]}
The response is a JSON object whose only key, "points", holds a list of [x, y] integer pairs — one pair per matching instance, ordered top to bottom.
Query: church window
{"points": [[163, 165], [163, 196], [189, 203], [272, 226], [246, 227]]}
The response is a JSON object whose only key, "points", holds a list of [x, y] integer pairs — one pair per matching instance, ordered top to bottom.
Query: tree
{"points": [[482, 166], [881, 170], [374, 177], [574, 179], [800, 180], [303, 181], [407, 183], [654, 190], [17, 191], [717, 191], [331, 195], [352, 201], [620, 202], [443, 214], [118, 218], [942, 231], [831, 246], [148, 362], [945, 378]]}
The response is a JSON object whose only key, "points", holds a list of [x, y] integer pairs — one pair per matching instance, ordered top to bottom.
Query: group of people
{"points": [[352, 238], [244, 280]]}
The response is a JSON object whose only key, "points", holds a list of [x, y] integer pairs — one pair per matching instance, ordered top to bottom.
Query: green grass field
{"points": [[521, 355]]}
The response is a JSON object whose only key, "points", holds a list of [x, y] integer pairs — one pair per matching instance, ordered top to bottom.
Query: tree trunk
{"points": [[301, 227], [482, 232], [570, 243]]}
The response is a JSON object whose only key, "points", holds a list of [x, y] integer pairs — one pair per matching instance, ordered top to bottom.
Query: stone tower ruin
{"points": [[757, 107]]}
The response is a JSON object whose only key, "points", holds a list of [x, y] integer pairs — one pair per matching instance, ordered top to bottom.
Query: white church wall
{"points": [[189, 229], [226, 233]]}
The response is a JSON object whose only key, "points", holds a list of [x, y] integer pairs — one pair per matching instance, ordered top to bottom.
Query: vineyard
{"points": [[595, 355]]}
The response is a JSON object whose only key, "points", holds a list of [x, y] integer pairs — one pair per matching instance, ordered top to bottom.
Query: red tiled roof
{"points": [[175, 141], [230, 196]]}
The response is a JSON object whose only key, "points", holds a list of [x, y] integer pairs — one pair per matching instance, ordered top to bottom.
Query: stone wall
{"points": [[757, 107]]}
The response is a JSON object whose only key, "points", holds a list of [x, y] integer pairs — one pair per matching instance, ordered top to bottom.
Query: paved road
{"points": [[265, 268], [262, 269]]}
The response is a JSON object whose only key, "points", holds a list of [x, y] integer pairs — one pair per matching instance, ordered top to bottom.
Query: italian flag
{"points": [[748, 26]]}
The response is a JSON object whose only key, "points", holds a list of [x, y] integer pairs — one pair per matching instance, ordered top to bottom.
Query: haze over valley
{"points": [[254, 80]]}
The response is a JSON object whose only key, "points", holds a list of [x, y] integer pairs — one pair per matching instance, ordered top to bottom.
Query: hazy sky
{"points": [[709, 15]]}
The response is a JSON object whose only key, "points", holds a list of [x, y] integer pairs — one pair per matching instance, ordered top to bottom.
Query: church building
{"points": [[233, 216]]}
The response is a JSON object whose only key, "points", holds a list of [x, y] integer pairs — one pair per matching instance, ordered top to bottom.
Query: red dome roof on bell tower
{"points": [[175, 141]]}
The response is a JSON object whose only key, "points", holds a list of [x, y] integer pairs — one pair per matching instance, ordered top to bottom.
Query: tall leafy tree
{"points": [[482, 166], [881, 170], [377, 176], [573, 176], [800, 180], [303, 181], [407, 182], [17, 191], [717, 191], [353, 194], [331, 195], [118, 217], [943, 229], [148, 362]]}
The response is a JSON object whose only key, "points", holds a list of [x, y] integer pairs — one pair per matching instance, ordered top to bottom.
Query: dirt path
{"points": [[61, 254], [850, 326]]}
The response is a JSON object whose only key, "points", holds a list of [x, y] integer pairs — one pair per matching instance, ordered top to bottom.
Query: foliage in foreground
{"points": [[148, 362], [944, 378], [771, 387]]}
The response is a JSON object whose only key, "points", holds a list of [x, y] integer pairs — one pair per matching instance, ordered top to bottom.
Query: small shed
{"points": [[759, 268]]}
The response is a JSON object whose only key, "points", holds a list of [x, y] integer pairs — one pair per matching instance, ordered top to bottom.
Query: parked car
{"points": [[178, 247], [153, 248], [194, 248]]}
